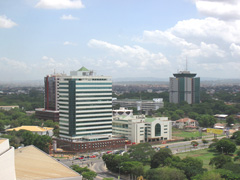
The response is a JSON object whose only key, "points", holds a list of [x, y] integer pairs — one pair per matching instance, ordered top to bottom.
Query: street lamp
{"points": [[222, 149]]}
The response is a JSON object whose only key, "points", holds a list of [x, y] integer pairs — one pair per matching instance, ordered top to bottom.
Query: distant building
{"points": [[184, 86], [51, 97], [141, 105], [8, 108], [122, 111], [221, 116], [186, 123], [219, 126], [34, 129], [139, 129], [7, 166]]}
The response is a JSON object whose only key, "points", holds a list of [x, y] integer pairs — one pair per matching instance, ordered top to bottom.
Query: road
{"points": [[95, 164], [98, 165]]}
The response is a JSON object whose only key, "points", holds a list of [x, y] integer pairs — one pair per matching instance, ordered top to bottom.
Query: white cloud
{"points": [[60, 4], [223, 9], [68, 17], [6, 23], [164, 37], [67, 43], [235, 50], [134, 57], [121, 64]]}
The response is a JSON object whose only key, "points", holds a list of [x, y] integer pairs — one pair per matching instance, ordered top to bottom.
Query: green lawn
{"points": [[185, 134], [203, 155]]}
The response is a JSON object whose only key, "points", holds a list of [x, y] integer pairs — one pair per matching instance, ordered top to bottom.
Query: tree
{"points": [[206, 120], [230, 120], [236, 135], [204, 141], [194, 143], [225, 146], [141, 152], [160, 157], [220, 160], [132, 167], [192, 167], [85, 172], [165, 173], [89, 175], [208, 175]]}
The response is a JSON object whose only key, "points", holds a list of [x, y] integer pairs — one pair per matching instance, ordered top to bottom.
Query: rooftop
{"points": [[83, 69], [184, 74], [186, 120], [31, 128], [32, 164]]}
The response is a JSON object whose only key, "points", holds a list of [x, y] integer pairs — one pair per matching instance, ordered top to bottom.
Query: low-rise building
{"points": [[142, 105], [8, 108], [122, 111], [221, 116], [185, 123], [34, 129], [139, 129]]}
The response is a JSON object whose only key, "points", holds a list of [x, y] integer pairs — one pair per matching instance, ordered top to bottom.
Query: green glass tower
{"points": [[184, 86]]}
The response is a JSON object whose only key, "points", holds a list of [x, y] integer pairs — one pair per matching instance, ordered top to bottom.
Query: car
{"points": [[93, 156]]}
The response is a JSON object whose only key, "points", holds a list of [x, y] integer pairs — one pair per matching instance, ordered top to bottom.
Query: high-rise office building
{"points": [[184, 86], [51, 96], [85, 106]]}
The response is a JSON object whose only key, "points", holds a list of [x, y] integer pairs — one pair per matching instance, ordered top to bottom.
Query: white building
{"points": [[85, 105], [141, 105], [8, 108], [122, 111], [186, 123], [34, 129], [139, 129], [7, 165]]}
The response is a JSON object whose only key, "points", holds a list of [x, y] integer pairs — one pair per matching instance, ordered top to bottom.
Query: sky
{"points": [[119, 38]]}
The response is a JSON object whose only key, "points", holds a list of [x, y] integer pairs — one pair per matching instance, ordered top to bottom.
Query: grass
{"points": [[185, 134], [205, 155]]}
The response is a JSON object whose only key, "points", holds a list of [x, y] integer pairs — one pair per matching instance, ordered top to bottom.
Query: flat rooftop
{"points": [[33, 164]]}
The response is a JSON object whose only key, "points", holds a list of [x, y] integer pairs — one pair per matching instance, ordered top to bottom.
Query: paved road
{"points": [[97, 164]]}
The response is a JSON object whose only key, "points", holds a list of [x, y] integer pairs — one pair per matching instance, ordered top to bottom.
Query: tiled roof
{"points": [[185, 120], [31, 128]]}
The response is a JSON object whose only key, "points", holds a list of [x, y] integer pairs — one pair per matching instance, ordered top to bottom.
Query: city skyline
{"points": [[119, 38]]}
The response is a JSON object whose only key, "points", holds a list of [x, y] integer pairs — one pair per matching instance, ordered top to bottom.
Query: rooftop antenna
{"points": [[186, 64], [54, 71]]}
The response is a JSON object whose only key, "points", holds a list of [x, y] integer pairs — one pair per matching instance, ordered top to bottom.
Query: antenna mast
{"points": [[186, 64]]}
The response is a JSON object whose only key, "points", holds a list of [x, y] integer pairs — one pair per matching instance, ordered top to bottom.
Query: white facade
{"points": [[85, 105], [144, 105], [122, 111], [152, 125], [139, 129], [7, 165]]}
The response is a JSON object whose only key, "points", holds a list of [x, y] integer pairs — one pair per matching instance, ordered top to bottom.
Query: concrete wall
{"points": [[7, 165]]}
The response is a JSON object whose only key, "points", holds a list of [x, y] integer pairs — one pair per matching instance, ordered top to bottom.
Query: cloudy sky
{"points": [[120, 38]]}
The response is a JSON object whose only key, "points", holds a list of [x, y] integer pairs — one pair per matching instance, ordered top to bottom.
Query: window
{"points": [[157, 129]]}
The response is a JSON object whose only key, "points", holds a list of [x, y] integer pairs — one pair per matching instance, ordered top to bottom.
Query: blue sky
{"points": [[127, 38]]}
